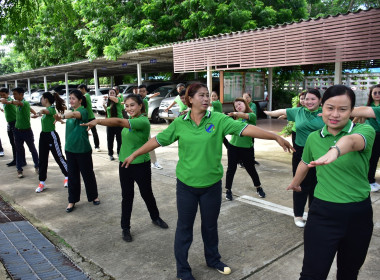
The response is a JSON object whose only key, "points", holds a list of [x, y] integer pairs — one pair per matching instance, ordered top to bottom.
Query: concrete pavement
{"points": [[258, 238]]}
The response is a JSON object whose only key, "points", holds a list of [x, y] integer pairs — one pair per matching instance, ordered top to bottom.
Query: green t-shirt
{"points": [[146, 105], [89, 106], [182, 106], [216, 106], [253, 107], [119, 109], [10, 111], [23, 116], [47, 121], [306, 122], [373, 122], [76, 135], [135, 137], [244, 141], [200, 147], [344, 180]]}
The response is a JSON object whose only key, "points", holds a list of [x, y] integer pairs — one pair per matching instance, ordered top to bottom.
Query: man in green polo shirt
{"points": [[83, 88], [23, 132]]}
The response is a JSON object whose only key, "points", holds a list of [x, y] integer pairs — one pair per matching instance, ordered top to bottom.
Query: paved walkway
{"points": [[257, 236]]}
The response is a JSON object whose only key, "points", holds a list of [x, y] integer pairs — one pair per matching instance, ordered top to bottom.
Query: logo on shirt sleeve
{"points": [[209, 128]]}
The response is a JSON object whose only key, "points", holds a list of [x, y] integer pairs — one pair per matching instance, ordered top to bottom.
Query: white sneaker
{"points": [[97, 149], [1, 153], [156, 165], [374, 187], [40, 188], [299, 221]]}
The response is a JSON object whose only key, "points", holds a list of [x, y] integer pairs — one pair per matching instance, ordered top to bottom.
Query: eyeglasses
{"points": [[376, 92]]}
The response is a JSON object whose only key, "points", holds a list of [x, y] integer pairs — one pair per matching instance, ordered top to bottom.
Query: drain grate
{"points": [[27, 254]]}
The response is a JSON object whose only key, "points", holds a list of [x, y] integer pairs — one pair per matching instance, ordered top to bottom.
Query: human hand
{"points": [[90, 124], [285, 144], [327, 158], [128, 161], [294, 188]]}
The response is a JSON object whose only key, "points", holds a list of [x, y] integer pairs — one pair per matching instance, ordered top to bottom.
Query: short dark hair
{"points": [[81, 86], [142, 86], [4, 89], [19, 90], [339, 90], [191, 91], [313, 91], [182, 93]]}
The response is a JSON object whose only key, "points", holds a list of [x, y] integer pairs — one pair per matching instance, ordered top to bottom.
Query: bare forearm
{"points": [[363, 111], [276, 113], [113, 122], [257, 132], [146, 148], [301, 172]]}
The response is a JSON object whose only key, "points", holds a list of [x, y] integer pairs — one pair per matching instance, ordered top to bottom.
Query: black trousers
{"points": [[10, 131], [113, 132], [95, 135], [49, 141], [247, 157], [374, 159], [81, 163], [142, 175], [307, 185], [342, 228]]}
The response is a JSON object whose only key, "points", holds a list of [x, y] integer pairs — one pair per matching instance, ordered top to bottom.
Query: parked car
{"points": [[61, 89], [36, 97], [98, 98], [154, 103], [172, 113]]}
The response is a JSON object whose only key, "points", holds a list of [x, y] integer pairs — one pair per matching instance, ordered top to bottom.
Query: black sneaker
{"points": [[112, 158], [12, 163], [257, 163], [241, 165], [260, 192], [229, 195], [159, 222], [127, 237]]}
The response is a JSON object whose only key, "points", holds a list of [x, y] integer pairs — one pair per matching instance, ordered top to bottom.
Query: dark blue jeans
{"points": [[21, 136], [209, 200]]}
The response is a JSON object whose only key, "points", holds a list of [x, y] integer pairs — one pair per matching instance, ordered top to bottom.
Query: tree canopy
{"points": [[46, 33]]}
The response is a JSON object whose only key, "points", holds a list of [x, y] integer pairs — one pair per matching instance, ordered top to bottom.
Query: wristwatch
{"points": [[337, 148]]}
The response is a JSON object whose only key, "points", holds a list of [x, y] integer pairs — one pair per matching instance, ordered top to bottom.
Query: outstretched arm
{"points": [[363, 111], [276, 113], [107, 122], [256, 132], [346, 144], [146, 148], [301, 173]]}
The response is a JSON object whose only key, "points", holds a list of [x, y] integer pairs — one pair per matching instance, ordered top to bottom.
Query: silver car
{"points": [[98, 98]]}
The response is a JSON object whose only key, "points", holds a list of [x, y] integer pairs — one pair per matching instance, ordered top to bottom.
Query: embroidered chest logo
{"points": [[209, 128]]}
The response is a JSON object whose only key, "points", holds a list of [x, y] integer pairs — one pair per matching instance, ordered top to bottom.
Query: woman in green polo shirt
{"points": [[216, 106], [114, 109], [307, 120], [135, 133], [49, 138], [240, 149], [78, 151], [199, 172], [340, 217]]}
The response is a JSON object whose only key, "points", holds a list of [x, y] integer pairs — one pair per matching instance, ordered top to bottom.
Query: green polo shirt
{"points": [[89, 106], [182, 106], [216, 106], [253, 107], [119, 109], [10, 111], [23, 116], [47, 121], [306, 122], [373, 122], [76, 135], [135, 137], [244, 141], [200, 147], [344, 180]]}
